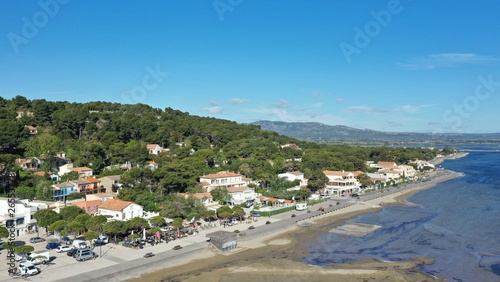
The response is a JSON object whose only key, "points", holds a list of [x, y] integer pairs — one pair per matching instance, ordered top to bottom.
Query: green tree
{"points": [[365, 180], [44, 190], [25, 192], [304, 193], [220, 194], [224, 212], [239, 212], [70, 213], [46, 218], [83, 219], [157, 220], [96, 223], [136, 224], [177, 224], [59, 226], [75, 228], [114, 228], [4, 232], [91, 235], [24, 249]]}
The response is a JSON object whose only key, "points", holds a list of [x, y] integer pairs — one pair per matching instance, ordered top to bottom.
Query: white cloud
{"points": [[445, 60], [340, 100], [237, 101], [214, 103], [282, 104], [366, 109], [413, 109], [214, 110]]}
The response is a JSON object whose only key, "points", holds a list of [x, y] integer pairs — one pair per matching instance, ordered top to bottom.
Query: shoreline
{"points": [[276, 257]]}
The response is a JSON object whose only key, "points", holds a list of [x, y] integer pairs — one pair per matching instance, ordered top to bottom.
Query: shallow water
{"points": [[455, 222]]}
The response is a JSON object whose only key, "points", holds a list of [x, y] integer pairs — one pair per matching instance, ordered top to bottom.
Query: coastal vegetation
{"points": [[104, 136]]}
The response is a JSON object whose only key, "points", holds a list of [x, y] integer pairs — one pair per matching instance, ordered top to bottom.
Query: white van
{"points": [[301, 206], [79, 244], [27, 268]]}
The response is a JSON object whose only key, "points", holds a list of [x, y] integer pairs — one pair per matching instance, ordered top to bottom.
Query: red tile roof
{"points": [[221, 174], [115, 205]]}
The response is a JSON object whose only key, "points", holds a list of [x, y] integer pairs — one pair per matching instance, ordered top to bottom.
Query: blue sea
{"points": [[457, 223]]}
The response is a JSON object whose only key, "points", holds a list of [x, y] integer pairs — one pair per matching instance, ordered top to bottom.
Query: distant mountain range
{"points": [[318, 132]]}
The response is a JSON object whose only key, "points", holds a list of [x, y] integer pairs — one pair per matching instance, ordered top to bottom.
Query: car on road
{"points": [[355, 195], [36, 239], [63, 249]]}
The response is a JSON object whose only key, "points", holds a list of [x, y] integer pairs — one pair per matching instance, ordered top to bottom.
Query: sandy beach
{"points": [[277, 256]]}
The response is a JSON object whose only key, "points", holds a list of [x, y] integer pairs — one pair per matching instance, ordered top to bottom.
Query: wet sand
{"points": [[278, 258]]}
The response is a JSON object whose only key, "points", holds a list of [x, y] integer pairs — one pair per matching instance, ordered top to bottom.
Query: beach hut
{"points": [[223, 240]]}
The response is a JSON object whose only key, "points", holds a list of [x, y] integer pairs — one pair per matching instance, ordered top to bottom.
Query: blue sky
{"points": [[422, 66]]}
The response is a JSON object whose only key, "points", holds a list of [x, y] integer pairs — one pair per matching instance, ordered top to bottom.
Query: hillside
{"points": [[318, 132]]}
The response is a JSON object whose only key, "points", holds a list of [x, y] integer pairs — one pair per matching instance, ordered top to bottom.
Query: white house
{"points": [[154, 149], [422, 164], [407, 171], [391, 173], [294, 175], [224, 179], [341, 183], [240, 195], [120, 210], [23, 220]]}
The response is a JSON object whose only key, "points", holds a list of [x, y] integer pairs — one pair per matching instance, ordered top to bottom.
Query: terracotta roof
{"points": [[151, 146], [152, 163], [386, 163], [81, 169], [336, 172], [40, 173], [296, 173], [357, 173], [221, 174], [113, 177], [93, 180], [80, 181], [204, 183], [64, 185], [236, 189], [103, 195], [200, 195], [87, 204], [115, 205]]}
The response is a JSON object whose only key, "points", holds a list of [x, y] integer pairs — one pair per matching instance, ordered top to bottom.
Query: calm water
{"points": [[456, 222]]}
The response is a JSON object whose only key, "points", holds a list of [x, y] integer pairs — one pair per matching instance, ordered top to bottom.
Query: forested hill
{"points": [[318, 132], [103, 135]]}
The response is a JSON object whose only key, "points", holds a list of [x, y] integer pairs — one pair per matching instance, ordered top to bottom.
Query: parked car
{"points": [[355, 195], [256, 214], [36, 239], [66, 240], [99, 242], [52, 245], [62, 249], [72, 252], [85, 254], [21, 256]]}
